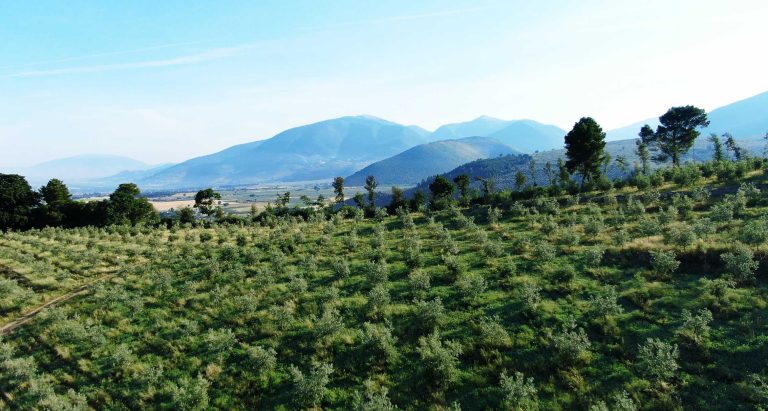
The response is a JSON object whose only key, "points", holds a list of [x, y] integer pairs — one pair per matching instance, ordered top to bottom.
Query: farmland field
{"points": [[651, 299]]}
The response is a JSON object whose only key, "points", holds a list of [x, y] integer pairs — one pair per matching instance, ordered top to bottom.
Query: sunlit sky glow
{"points": [[163, 81]]}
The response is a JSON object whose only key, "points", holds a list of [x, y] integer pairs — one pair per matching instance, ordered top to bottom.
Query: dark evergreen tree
{"points": [[676, 133], [585, 149], [462, 182], [338, 188], [442, 192], [16, 202], [127, 207]]}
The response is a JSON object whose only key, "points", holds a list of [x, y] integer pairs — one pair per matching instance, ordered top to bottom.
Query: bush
{"points": [[722, 212], [756, 232], [593, 256], [664, 262], [740, 263], [471, 286], [530, 294], [378, 299], [605, 304], [429, 314], [695, 327], [492, 333], [378, 342], [571, 343], [440, 359], [657, 360], [310, 389], [519, 393], [190, 394]]}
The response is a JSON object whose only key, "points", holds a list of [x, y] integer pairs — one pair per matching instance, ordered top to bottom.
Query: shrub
{"points": [[684, 205], [722, 212], [493, 215], [593, 226], [649, 226], [756, 232], [620, 236], [682, 236], [544, 252], [593, 256], [664, 262], [741, 263], [341, 268], [377, 272], [419, 281], [471, 286], [718, 288], [530, 294], [378, 299], [605, 304], [429, 314], [329, 323], [695, 327], [492, 332], [377, 340], [220, 341], [571, 343], [440, 359], [263, 360], [657, 360], [310, 389], [518, 392], [190, 394], [374, 399]]}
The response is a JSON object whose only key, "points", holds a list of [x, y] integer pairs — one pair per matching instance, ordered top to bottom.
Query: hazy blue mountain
{"points": [[745, 119], [481, 126], [630, 131], [523, 135], [530, 136], [312, 152], [422, 161], [80, 168]]}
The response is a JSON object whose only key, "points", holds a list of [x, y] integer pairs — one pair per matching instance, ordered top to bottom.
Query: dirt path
{"points": [[31, 314]]}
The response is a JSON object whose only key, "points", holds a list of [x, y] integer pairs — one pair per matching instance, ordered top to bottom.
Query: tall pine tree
{"points": [[585, 149]]}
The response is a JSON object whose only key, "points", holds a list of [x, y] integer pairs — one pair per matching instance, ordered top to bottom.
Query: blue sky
{"points": [[165, 81]]}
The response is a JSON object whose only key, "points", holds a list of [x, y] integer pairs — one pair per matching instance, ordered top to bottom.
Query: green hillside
{"points": [[422, 161], [623, 299]]}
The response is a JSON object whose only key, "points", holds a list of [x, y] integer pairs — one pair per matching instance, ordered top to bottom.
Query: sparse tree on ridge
{"points": [[676, 133], [733, 147], [641, 148], [585, 149], [718, 155], [462, 182], [370, 187], [338, 188], [205, 201]]}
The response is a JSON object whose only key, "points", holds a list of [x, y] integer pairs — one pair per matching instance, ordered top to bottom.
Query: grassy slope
{"points": [[143, 338]]}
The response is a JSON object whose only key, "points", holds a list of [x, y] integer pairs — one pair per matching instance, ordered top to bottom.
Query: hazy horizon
{"points": [[166, 82]]}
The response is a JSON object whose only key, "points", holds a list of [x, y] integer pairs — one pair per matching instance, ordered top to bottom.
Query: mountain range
{"points": [[356, 146]]}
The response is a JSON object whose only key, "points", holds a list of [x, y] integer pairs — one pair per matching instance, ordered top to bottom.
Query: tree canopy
{"points": [[676, 133], [585, 148]]}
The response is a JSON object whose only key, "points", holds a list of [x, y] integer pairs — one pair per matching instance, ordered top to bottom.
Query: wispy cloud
{"points": [[405, 17], [102, 54], [209, 55]]}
